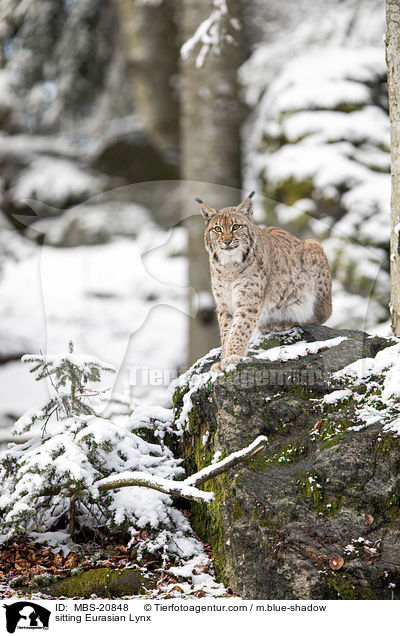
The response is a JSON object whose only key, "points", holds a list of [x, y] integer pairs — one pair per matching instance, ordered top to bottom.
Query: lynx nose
{"points": [[228, 242]]}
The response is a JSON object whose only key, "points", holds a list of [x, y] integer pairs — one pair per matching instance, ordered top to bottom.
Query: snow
{"points": [[290, 29], [210, 34], [324, 78], [367, 125], [56, 181], [93, 222], [108, 299], [12, 345], [297, 350], [386, 363], [196, 377], [17, 390], [335, 396], [380, 403], [155, 418], [26, 420], [216, 457], [216, 463], [167, 484], [59, 540], [201, 579]]}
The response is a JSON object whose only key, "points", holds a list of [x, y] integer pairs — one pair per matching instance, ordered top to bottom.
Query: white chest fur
{"points": [[298, 313]]}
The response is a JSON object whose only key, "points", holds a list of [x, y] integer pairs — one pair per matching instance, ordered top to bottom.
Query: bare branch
{"points": [[72, 515]]}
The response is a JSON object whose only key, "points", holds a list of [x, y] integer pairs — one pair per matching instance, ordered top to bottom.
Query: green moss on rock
{"points": [[332, 431], [289, 454], [312, 487], [207, 521], [40, 580], [102, 582], [347, 589]]}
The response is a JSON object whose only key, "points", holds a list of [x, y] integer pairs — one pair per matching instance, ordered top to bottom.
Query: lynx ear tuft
{"points": [[246, 206], [206, 210]]}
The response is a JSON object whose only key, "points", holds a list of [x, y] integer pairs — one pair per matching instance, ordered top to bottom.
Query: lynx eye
{"points": [[236, 226], [217, 228]]}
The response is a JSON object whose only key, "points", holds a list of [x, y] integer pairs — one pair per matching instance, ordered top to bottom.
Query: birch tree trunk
{"points": [[393, 65], [210, 121]]}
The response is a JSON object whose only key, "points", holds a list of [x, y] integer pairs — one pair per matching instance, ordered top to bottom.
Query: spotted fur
{"points": [[263, 277]]}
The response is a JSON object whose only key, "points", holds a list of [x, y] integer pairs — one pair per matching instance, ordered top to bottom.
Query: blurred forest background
{"points": [[115, 114]]}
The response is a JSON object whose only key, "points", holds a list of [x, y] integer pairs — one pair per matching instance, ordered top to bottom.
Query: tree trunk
{"points": [[150, 35], [393, 64], [210, 119]]}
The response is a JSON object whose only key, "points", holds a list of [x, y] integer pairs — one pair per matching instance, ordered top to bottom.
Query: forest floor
{"points": [[23, 561]]}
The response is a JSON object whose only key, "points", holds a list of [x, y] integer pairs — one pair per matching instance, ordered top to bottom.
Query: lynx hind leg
{"points": [[315, 261], [279, 326], [285, 326]]}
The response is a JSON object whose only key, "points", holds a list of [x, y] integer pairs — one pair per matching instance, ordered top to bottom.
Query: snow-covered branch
{"points": [[210, 34], [229, 462], [167, 486], [187, 488]]}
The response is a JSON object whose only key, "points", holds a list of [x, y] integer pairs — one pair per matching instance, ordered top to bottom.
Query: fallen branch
{"points": [[167, 486], [187, 488]]}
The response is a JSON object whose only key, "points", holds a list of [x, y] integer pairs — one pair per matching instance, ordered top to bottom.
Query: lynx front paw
{"points": [[234, 359], [216, 366]]}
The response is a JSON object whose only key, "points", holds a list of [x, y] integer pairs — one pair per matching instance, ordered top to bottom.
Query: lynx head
{"points": [[228, 235]]}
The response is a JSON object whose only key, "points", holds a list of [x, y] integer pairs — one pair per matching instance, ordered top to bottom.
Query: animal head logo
{"points": [[26, 615]]}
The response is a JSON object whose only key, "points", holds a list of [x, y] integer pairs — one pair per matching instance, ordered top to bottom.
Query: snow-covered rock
{"points": [[57, 182], [92, 223], [329, 473]]}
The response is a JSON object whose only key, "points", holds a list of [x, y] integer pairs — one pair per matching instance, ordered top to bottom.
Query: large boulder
{"points": [[317, 516]]}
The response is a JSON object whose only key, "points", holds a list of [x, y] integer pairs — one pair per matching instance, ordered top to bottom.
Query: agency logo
{"points": [[26, 615]]}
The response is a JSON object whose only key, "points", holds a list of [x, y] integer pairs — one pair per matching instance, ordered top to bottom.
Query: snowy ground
{"points": [[124, 301]]}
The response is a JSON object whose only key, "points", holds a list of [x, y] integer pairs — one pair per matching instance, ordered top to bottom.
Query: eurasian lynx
{"points": [[263, 277]]}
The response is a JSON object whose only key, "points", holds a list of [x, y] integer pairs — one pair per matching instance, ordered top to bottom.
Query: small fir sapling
{"points": [[58, 455], [49, 481]]}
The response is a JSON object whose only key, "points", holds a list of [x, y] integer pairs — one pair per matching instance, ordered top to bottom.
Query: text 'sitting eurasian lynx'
{"points": [[263, 277]]}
